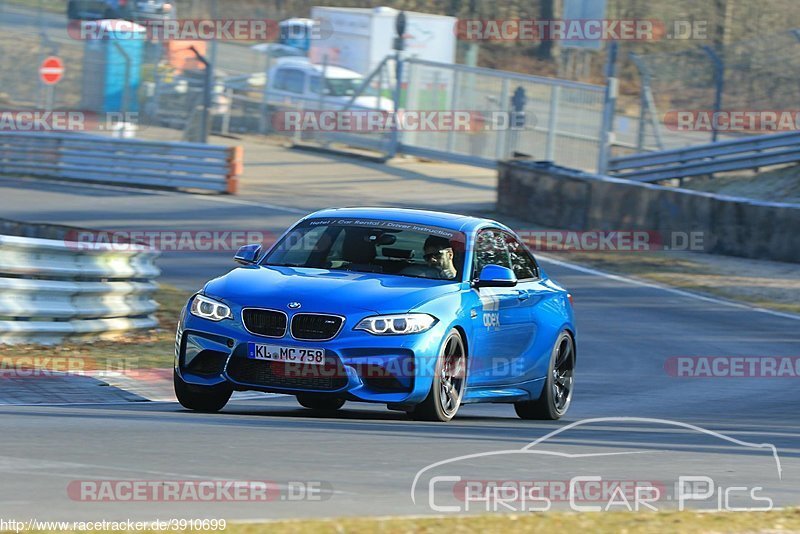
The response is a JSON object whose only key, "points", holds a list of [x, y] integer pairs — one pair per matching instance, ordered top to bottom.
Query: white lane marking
{"points": [[674, 291]]}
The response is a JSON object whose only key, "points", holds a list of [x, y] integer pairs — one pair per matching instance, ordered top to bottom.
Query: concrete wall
{"points": [[562, 198]]}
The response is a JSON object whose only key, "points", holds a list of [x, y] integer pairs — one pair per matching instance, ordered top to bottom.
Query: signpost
{"points": [[50, 73]]}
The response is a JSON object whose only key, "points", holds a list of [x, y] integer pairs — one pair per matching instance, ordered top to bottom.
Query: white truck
{"points": [[360, 38]]}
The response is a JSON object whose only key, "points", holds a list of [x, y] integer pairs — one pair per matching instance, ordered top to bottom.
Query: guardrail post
{"points": [[610, 104], [235, 168]]}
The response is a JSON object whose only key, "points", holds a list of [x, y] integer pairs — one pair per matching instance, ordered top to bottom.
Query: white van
{"points": [[296, 81]]}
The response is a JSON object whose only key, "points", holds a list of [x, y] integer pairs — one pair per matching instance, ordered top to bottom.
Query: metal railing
{"points": [[562, 118], [724, 156], [94, 158], [51, 289]]}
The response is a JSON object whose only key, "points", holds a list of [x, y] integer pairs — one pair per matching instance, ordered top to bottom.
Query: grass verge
{"points": [[771, 285], [607, 522]]}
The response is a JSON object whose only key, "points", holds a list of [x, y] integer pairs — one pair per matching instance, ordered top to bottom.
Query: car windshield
{"points": [[341, 86], [374, 246]]}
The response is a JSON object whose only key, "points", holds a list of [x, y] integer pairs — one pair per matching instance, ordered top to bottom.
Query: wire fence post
{"points": [[399, 46], [719, 86], [206, 95], [609, 107], [265, 115]]}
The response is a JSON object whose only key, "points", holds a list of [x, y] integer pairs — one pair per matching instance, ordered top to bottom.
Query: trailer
{"points": [[360, 38]]}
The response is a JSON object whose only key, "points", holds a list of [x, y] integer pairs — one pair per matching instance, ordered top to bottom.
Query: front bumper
{"points": [[358, 365]]}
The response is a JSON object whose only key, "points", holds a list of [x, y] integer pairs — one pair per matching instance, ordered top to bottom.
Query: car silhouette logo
{"points": [[294, 305]]}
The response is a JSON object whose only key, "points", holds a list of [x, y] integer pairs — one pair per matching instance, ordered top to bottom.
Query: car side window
{"points": [[280, 80], [294, 81], [315, 84], [490, 249], [522, 263]]}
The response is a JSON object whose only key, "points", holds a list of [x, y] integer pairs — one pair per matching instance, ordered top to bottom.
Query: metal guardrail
{"points": [[738, 154], [95, 158], [51, 289]]}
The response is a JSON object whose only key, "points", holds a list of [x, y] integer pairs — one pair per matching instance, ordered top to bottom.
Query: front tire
{"points": [[449, 382], [556, 395], [201, 398], [314, 402]]}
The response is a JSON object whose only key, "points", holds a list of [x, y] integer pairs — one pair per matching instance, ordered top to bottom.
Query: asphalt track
{"points": [[365, 458]]}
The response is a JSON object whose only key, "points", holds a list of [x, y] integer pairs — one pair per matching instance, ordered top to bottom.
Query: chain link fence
{"points": [[163, 88], [559, 120]]}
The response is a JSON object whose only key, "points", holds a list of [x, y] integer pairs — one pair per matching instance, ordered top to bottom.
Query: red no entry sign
{"points": [[51, 70]]}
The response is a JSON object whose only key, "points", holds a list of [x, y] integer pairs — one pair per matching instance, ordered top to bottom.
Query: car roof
{"points": [[451, 221]]}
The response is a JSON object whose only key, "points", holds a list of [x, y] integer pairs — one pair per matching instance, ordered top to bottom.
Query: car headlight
{"points": [[210, 309], [404, 323]]}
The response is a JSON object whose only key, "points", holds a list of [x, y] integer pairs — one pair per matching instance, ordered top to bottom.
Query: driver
{"points": [[439, 255]]}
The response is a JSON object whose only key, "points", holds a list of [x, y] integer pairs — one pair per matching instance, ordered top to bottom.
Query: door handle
{"points": [[523, 295]]}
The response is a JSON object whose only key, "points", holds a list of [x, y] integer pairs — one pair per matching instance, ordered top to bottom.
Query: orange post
{"points": [[235, 168]]}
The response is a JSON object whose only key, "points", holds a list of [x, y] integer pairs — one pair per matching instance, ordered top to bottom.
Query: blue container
{"points": [[104, 66]]}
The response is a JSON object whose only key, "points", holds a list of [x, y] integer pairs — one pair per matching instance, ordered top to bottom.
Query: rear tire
{"points": [[449, 382], [556, 395], [201, 398], [325, 404]]}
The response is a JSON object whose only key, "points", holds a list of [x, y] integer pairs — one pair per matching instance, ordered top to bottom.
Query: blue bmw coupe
{"points": [[419, 310]]}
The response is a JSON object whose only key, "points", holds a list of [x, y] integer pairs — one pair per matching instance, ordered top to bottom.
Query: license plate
{"points": [[278, 353]]}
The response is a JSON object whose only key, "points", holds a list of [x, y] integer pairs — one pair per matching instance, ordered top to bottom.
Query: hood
{"points": [[371, 102], [320, 290]]}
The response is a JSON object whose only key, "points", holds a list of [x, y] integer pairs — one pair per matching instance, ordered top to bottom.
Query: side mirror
{"points": [[248, 254], [496, 276]]}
